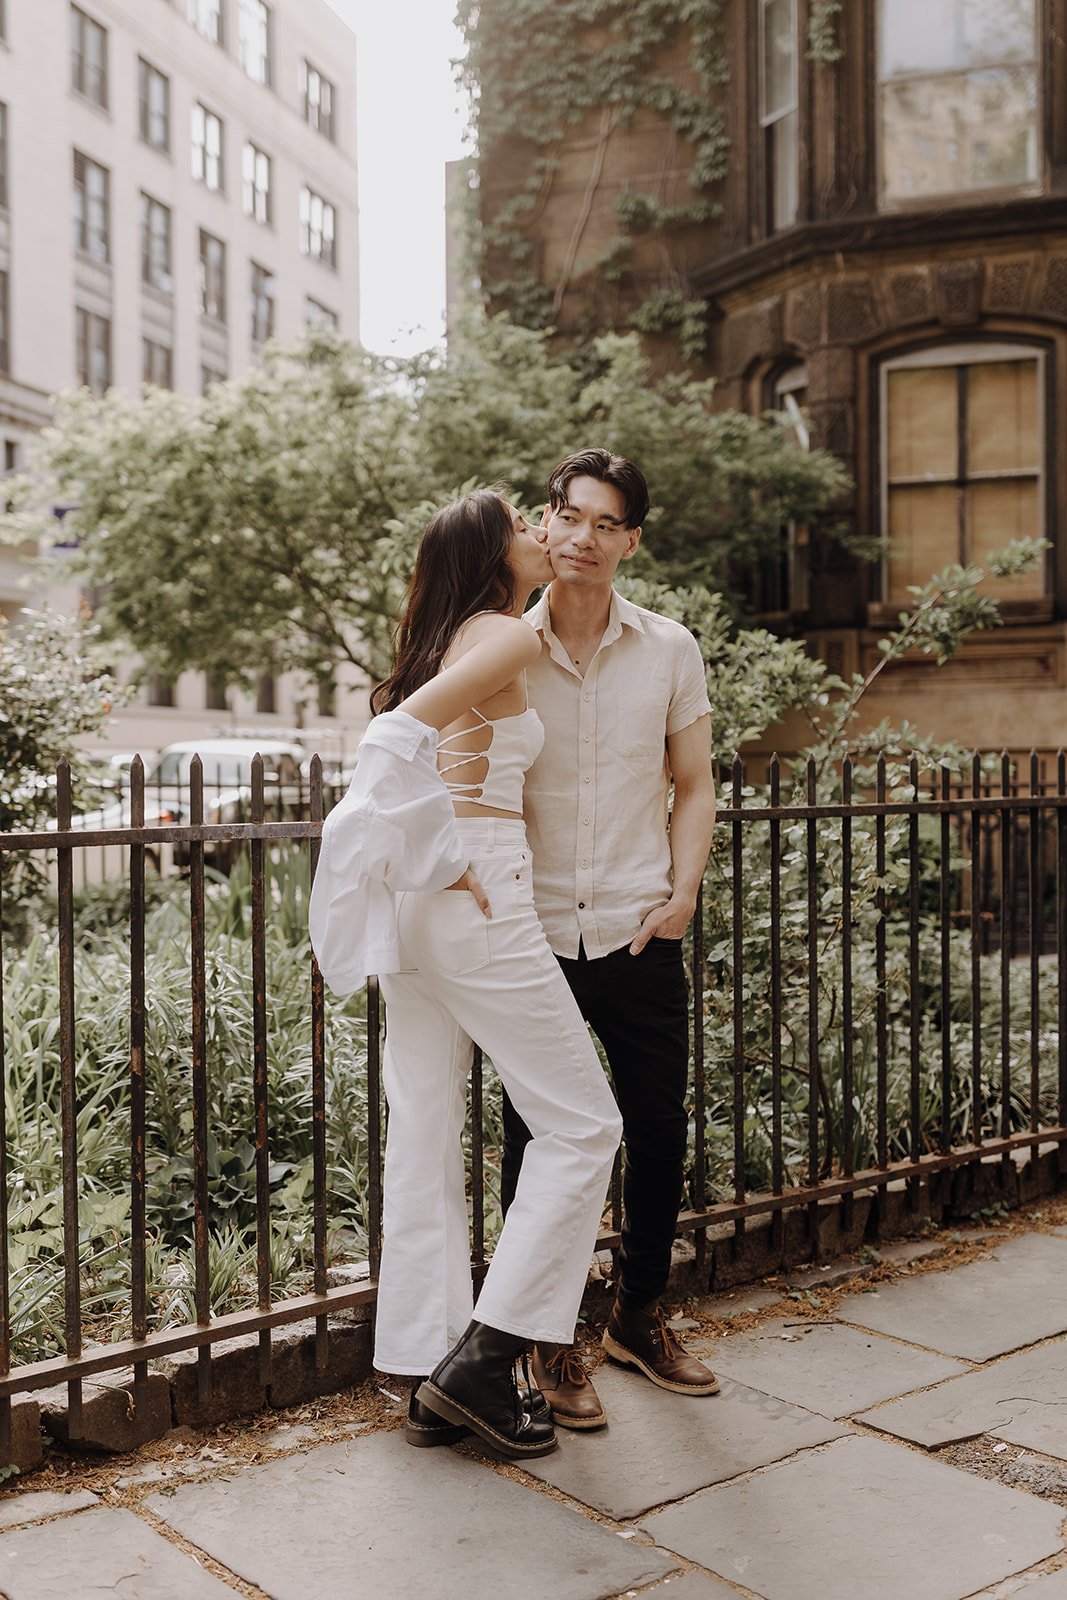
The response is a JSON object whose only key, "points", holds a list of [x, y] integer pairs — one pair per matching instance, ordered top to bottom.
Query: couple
{"points": [[564, 727]]}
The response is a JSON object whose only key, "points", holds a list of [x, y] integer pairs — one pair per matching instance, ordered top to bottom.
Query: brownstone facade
{"points": [[922, 328]]}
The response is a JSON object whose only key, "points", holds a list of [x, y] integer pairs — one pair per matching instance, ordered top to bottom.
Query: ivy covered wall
{"points": [[603, 136]]}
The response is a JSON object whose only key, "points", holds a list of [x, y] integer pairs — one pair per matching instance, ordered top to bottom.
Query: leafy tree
{"points": [[272, 523], [52, 692]]}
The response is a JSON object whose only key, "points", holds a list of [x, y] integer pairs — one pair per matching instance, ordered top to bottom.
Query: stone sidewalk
{"points": [[893, 1438]]}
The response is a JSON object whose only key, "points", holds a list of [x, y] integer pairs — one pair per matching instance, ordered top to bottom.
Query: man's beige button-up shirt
{"points": [[595, 800]]}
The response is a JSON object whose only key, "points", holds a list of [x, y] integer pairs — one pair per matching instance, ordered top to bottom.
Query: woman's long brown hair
{"points": [[461, 569]]}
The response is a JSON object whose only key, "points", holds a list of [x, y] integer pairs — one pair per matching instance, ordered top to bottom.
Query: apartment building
{"points": [[177, 185]]}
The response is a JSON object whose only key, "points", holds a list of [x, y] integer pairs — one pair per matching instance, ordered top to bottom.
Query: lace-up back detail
{"points": [[514, 745]]}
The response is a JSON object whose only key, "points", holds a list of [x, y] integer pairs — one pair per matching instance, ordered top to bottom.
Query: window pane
{"points": [[916, 36], [779, 57], [969, 131], [784, 173], [1003, 420], [923, 423], [1000, 512], [923, 534]]}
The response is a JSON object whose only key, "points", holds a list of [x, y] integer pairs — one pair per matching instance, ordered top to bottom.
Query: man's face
{"points": [[588, 536]]}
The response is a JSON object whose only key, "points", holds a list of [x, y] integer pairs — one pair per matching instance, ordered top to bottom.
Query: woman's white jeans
{"points": [[493, 981]]}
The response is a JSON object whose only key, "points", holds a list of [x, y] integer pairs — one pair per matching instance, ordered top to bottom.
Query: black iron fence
{"points": [[879, 992]]}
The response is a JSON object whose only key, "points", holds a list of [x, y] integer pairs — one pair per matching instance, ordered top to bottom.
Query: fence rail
{"points": [[860, 1017]]}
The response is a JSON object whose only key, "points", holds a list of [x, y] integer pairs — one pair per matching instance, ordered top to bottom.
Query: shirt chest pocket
{"points": [[640, 722]]}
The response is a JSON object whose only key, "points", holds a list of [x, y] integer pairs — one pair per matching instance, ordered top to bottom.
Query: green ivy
{"points": [[822, 35], [536, 69]]}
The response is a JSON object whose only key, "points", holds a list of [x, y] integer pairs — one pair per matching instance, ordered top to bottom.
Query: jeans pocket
{"points": [[453, 936]]}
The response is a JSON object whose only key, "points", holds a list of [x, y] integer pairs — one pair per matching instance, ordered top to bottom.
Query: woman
{"points": [[433, 828]]}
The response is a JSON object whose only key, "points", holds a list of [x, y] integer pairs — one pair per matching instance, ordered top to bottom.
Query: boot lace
{"points": [[669, 1342], [566, 1365]]}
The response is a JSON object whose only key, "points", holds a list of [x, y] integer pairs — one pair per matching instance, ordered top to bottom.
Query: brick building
{"points": [[891, 253]]}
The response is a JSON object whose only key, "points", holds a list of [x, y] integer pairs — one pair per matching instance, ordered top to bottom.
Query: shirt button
{"points": [[586, 697], [587, 737], [585, 780], [585, 821], [585, 864], [581, 905]]}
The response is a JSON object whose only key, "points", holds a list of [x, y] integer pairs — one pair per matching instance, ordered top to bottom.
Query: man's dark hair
{"points": [[606, 468]]}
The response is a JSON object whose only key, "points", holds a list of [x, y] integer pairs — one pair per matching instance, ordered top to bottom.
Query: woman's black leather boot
{"points": [[475, 1387]]}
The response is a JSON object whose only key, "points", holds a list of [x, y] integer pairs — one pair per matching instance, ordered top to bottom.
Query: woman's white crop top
{"points": [[516, 743]]}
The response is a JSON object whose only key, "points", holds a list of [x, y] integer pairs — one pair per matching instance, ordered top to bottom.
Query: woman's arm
{"points": [[503, 648]]}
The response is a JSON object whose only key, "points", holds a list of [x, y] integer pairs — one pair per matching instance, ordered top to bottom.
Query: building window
{"points": [[206, 18], [3, 19], [253, 39], [88, 57], [317, 93], [154, 95], [958, 98], [778, 110], [207, 148], [3, 157], [255, 183], [92, 208], [318, 222], [155, 245], [212, 277], [262, 304], [314, 314], [5, 324], [93, 350], [156, 364], [210, 376], [963, 452], [775, 581], [160, 690], [215, 693], [265, 694], [327, 698]]}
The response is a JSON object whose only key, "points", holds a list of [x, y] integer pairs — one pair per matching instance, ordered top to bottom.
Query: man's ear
{"points": [[546, 512], [632, 543]]}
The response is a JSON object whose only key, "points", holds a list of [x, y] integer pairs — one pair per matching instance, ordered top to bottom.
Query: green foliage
{"points": [[822, 34], [537, 70], [273, 523], [52, 691], [32, 1087]]}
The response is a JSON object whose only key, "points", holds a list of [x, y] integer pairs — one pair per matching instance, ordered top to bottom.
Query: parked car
{"points": [[227, 769]]}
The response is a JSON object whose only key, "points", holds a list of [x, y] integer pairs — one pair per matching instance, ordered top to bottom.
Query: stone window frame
{"points": [[770, 122], [1003, 344]]}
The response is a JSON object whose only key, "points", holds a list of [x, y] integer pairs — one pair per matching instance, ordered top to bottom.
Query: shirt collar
{"points": [[622, 613]]}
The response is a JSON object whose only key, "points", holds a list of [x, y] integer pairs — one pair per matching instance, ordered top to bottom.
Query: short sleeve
{"points": [[689, 697]]}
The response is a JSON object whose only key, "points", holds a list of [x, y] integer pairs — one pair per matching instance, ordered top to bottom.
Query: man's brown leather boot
{"points": [[642, 1339], [559, 1372]]}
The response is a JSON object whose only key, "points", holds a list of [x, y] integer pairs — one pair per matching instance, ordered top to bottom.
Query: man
{"points": [[623, 698]]}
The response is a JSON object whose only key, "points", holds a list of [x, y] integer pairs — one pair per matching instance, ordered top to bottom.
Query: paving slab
{"points": [[983, 1309], [828, 1368], [1022, 1399], [660, 1446], [19, 1508], [372, 1516], [884, 1522], [100, 1554], [689, 1586], [1053, 1586]]}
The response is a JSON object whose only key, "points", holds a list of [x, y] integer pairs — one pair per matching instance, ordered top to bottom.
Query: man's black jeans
{"points": [[638, 1008]]}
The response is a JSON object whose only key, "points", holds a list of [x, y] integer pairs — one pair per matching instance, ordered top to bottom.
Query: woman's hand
{"points": [[471, 883]]}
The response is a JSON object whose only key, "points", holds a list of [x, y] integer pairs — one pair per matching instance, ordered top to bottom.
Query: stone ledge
{"points": [[110, 1421]]}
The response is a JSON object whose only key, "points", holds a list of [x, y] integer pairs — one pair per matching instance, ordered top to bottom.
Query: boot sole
{"points": [[626, 1358], [435, 1399], [579, 1424], [424, 1438]]}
